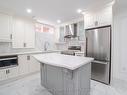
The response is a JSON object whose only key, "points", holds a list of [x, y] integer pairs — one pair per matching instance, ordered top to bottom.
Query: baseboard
{"points": [[9, 80]]}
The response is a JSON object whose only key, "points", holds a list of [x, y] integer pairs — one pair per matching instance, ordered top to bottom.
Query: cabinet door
{"points": [[104, 17], [98, 18], [89, 20], [5, 27], [81, 32], [18, 33], [62, 34], [29, 39], [23, 64], [34, 65], [12, 72], [8, 73], [3, 75], [54, 80]]}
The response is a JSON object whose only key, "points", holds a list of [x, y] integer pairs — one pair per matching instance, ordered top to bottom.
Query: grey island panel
{"points": [[62, 81]]}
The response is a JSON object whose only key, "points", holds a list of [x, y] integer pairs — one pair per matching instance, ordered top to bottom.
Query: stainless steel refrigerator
{"points": [[98, 46]]}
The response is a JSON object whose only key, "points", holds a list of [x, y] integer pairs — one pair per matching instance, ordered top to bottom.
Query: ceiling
{"points": [[50, 10]]}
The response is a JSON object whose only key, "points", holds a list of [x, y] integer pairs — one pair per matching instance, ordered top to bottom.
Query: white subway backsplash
{"points": [[39, 44], [7, 47]]}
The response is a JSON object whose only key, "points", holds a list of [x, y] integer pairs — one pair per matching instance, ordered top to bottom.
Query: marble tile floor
{"points": [[31, 86]]}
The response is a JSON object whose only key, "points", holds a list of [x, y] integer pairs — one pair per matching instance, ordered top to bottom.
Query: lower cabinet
{"points": [[23, 64], [27, 64], [34, 65], [12, 72], [8, 73], [3, 75]]}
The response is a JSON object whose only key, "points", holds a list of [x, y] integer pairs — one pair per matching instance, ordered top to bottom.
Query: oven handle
{"points": [[8, 58]]}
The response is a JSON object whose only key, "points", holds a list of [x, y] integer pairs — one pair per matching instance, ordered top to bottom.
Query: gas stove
{"points": [[71, 50]]}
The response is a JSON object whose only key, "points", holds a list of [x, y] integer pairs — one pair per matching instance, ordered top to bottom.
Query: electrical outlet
{"points": [[124, 69]]}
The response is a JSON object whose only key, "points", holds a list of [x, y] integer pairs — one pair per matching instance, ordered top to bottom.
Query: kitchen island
{"points": [[65, 74]]}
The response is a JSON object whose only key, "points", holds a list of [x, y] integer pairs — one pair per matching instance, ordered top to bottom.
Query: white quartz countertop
{"points": [[26, 52], [60, 60]]}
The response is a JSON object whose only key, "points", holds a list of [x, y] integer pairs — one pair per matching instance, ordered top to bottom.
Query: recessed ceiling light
{"points": [[29, 10], [79, 11], [83, 13], [58, 21]]}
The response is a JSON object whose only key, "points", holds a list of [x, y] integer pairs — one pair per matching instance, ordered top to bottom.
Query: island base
{"points": [[62, 81]]}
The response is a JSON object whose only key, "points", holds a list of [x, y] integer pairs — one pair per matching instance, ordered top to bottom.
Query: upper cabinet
{"points": [[98, 17], [5, 27], [72, 31], [81, 31], [23, 33], [61, 33], [29, 35]]}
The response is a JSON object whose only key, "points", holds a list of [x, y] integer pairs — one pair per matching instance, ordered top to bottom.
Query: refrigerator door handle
{"points": [[86, 45], [100, 62]]}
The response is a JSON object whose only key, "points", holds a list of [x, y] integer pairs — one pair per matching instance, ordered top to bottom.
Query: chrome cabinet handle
{"points": [[10, 36], [25, 44], [28, 57], [100, 62], [7, 71]]}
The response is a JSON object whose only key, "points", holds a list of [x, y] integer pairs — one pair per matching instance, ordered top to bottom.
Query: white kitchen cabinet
{"points": [[97, 18], [88, 20], [5, 28], [81, 31], [18, 33], [23, 33], [62, 33], [29, 37], [23, 64], [27, 64], [34, 65], [12, 72], [8, 73], [3, 75]]}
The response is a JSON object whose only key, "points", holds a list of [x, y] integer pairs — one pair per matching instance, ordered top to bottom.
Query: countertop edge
{"points": [[29, 52], [62, 65]]}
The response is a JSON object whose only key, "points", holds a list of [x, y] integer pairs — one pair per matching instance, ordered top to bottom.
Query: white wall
{"points": [[119, 49]]}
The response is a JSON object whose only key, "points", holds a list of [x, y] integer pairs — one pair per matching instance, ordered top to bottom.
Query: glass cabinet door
{"points": [[81, 31], [62, 34]]}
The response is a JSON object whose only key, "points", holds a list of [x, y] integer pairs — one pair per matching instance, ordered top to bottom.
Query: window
{"points": [[44, 28]]}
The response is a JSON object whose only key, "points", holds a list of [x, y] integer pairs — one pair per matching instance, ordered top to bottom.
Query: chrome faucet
{"points": [[46, 44]]}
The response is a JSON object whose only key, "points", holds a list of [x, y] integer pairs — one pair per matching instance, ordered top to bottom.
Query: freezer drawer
{"points": [[100, 72]]}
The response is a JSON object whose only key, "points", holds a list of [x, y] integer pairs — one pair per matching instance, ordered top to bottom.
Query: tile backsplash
{"points": [[40, 39], [7, 47]]}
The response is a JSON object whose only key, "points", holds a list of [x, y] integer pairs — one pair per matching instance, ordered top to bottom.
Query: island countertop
{"points": [[60, 60]]}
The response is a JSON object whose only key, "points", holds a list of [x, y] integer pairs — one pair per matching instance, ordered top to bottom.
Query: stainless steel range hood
{"points": [[71, 31]]}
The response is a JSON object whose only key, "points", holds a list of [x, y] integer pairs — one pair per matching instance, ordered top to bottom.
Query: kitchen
{"points": [[39, 45]]}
